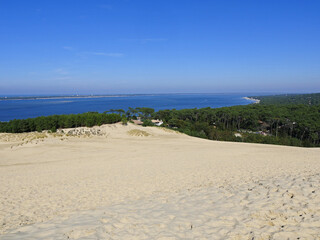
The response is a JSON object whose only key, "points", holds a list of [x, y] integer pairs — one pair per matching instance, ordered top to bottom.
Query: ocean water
{"points": [[30, 108]]}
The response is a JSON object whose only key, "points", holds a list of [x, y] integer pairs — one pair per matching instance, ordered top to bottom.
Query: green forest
{"points": [[307, 99], [55, 122], [282, 124], [295, 125]]}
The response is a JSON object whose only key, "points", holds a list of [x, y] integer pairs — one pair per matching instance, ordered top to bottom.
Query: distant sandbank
{"points": [[252, 99]]}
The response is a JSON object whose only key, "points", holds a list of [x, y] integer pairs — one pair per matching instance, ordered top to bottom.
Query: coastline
{"points": [[4, 98], [252, 99], [53, 105]]}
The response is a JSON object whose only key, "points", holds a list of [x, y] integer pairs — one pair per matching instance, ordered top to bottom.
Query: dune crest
{"points": [[104, 182]]}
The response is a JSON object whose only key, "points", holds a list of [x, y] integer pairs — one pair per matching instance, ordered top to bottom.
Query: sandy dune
{"points": [[130, 182]]}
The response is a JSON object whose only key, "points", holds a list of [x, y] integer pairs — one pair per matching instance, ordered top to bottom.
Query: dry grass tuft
{"points": [[139, 133], [22, 137]]}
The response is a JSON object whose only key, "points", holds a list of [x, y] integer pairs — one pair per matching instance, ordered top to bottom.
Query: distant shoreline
{"points": [[96, 96], [70, 97], [252, 99]]}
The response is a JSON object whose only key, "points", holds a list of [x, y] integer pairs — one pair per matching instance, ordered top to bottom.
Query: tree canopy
{"points": [[307, 99]]}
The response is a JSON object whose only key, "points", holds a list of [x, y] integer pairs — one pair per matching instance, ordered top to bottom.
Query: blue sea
{"points": [[30, 108]]}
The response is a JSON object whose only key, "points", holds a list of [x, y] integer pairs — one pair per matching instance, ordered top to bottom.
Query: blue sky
{"points": [[167, 46]]}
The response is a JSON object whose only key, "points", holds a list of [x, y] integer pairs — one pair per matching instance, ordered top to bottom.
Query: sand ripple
{"points": [[114, 185], [287, 207]]}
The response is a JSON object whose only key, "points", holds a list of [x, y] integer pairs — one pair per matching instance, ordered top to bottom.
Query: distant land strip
{"points": [[71, 96]]}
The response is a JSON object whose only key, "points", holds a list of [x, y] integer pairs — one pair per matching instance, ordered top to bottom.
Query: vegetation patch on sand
{"points": [[84, 132], [139, 133], [22, 137]]}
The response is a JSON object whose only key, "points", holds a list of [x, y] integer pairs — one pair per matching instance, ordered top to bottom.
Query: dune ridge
{"points": [[105, 183]]}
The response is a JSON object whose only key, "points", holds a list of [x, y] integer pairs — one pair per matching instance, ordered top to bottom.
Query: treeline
{"points": [[307, 99], [88, 119], [55, 122], [296, 125]]}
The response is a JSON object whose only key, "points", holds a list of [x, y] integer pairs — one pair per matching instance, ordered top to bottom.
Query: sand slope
{"points": [[130, 182]]}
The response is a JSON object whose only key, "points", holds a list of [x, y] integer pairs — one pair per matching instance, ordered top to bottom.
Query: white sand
{"points": [[155, 184]]}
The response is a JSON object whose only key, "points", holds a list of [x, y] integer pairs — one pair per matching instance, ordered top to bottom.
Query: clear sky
{"points": [[159, 46]]}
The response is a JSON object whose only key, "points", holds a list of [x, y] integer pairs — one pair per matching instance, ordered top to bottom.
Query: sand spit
{"points": [[254, 100], [130, 182]]}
